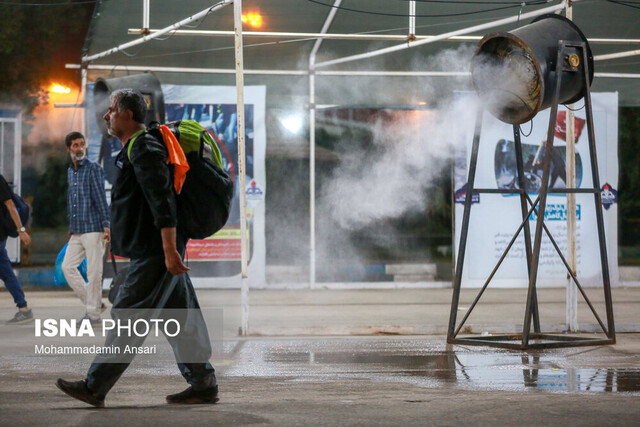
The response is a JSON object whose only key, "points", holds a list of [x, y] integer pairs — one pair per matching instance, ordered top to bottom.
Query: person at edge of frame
{"points": [[89, 227], [143, 228], [7, 275]]}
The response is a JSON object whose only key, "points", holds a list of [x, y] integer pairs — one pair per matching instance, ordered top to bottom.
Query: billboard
{"points": [[495, 217]]}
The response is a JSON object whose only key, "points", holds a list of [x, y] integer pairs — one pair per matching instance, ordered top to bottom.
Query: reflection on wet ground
{"points": [[423, 362], [431, 364]]}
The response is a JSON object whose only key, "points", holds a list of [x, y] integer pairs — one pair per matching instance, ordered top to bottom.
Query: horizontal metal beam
{"points": [[289, 35], [338, 36], [617, 55], [142, 68], [273, 72], [395, 73], [617, 75], [58, 105], [573, 190], [497, 191], [504, 342]]}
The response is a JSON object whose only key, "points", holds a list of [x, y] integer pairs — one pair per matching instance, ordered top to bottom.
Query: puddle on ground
{"points": [[419, 362], [598, 369]]}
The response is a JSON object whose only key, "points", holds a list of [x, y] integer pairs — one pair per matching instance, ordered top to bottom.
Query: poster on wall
{"points": [[496, 217], [214, 261]]}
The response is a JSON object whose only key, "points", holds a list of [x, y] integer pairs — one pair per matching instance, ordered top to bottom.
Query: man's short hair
{"points": [[130, 99], [72, 137]]}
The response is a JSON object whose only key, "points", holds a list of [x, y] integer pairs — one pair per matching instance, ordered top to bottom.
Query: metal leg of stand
{"points": [[546, 163], [598, 202], [525, 214], [465, 227], [537, 244], [533, 250]]}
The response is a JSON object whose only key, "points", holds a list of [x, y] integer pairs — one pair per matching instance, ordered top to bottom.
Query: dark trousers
{"points": [[9, 278], [149, 287]]}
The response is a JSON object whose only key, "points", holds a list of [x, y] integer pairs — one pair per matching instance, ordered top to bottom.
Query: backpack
{"points": [[204, 201], [23, 211]]}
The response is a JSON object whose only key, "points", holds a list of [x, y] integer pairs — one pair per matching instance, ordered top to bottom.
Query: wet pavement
{"points": [[426, 362], [430, 363], [335, 380], [315, 381]]}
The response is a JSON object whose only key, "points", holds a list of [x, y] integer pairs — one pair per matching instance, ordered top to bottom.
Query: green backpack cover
{"points": [[192, 137]]}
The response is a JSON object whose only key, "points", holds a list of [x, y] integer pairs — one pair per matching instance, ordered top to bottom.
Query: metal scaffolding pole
{"points": [[145, 17], [412, 19], [343, 36], [617, 55], [129, 68], [617, 75], [83, 92], [312, 145], [244, 247], [572, 290]]}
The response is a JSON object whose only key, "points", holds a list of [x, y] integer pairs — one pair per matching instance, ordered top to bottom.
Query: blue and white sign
{"points": [[496, 217]]}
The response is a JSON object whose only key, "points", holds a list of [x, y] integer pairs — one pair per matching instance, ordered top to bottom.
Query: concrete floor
{"points": [[300, 312], [295, 376]]}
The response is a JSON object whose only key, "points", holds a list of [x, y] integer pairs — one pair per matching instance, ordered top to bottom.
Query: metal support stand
{"points": [[536, 339]]}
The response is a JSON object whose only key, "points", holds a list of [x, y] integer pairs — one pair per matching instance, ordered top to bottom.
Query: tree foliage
{"points": [[33, 40], [629, 190], [50, 198]]}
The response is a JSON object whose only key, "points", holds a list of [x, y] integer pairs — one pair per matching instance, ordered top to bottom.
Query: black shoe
{"points": [[21, 317], [79, 390], [192, 397]]}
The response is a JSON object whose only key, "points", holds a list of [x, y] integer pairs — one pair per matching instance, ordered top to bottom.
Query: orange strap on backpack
{"points": [[176, 158]]}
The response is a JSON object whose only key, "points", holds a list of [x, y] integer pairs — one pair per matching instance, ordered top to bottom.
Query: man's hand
{"points": [[107, 234], [25, 238], [172, 258], [174, 263]]}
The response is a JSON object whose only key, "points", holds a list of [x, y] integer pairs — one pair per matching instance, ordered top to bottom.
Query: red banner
{"points": [[561, 126]]}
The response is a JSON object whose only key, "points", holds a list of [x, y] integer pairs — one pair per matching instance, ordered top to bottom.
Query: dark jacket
{"points": [[142, 198], [5, 218]]}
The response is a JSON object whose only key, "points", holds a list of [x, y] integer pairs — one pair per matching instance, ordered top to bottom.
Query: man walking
{"points": [[143, 219], [88, 226], [7, 275]]}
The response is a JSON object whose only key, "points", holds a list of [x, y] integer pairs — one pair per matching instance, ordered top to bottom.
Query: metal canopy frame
{"points": [[410, 41], [528, 207]]}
